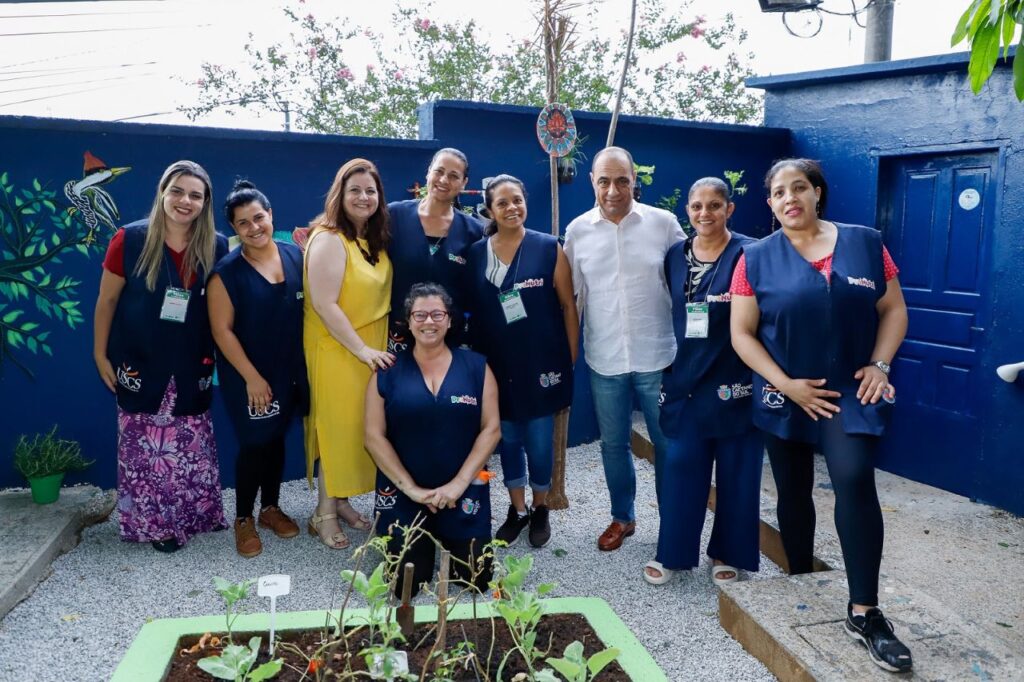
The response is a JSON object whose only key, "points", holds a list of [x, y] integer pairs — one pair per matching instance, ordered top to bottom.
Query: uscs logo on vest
{"points": [[861, 282], [396, 343], [129, 378], [549, 379], [772, 397], [271, 410], [387, 497]]}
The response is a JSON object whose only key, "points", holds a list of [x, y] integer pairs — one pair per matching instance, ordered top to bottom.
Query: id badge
{"points": [[175, 305], [512, 306], [696, 320]]}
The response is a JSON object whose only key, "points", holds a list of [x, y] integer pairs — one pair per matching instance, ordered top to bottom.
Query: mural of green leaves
{"points": [[37, 230]]}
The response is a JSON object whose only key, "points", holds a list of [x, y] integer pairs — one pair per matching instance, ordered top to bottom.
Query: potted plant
{"points": [[567, 164], [44, 459]]}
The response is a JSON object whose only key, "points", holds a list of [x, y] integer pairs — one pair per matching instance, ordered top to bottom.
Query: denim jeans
{"points": [[613, 404], [535, 436]]}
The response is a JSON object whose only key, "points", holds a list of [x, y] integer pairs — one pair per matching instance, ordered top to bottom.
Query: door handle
{"points": [[1008, 373]]}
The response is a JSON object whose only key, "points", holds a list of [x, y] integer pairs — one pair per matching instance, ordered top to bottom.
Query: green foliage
{"points": [[987, 25], [317, 76], [644, 174], [734, 178], [35, 232], [45, 455], [232, 593], [520, 608], [235, 663], [575, 667]]}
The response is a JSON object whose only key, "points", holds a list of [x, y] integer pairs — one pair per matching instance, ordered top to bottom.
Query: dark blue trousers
{"points": [[684, 480]]}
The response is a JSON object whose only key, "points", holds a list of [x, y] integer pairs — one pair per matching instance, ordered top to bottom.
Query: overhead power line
{"points": [[100, 30]]}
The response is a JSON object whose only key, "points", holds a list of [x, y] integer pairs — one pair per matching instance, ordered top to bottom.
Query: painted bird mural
{"points": [[88, 197]]}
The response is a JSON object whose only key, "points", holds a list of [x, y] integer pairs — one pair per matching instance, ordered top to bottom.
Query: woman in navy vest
{"points": [[430, 238], [255, 304], [818, 314], [525, 322], [153, 348], [705, 413], [431, 424]]}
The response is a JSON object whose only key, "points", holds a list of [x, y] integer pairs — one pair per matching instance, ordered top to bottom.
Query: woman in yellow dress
{"points": [[347, 288]]}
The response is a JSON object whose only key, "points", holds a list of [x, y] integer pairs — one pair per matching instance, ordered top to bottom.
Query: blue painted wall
{"points": [[858, 120], [295, 170]]}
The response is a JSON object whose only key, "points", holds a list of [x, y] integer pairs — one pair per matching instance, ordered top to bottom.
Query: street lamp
{"points": [[788, 5]]}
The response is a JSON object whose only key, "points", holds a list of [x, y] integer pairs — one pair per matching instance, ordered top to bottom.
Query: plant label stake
{"points": [[273, 586]]}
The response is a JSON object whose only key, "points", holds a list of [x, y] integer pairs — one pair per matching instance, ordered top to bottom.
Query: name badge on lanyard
{"points": [[175, 305], [512, 306], [696, 320]]}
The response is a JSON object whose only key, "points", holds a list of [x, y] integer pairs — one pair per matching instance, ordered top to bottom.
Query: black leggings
{"points": [[851, 466], [259, 468], [422, 552]]}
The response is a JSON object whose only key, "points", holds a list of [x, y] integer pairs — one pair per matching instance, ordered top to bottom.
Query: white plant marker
{"points": [[273, 586]]}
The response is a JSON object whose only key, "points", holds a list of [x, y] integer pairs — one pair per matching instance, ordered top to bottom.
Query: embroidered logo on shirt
{"points": [[456, 259], [861, 282], [529, 283], [719, 298], [396, 342], [129, 378], [548, 379], [205, 383], [735, 392], [889, 395], [772, 397], [464, 400], [271, 410], [387, 497], [469, 506]]}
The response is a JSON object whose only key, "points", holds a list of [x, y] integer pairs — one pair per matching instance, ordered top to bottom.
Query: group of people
{"points": [[416, 340]]}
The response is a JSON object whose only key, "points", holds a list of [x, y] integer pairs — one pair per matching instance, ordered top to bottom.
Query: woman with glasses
{"points": [[430, 238], [347, 293], [255, 302], [525, 323], [431, 424]]}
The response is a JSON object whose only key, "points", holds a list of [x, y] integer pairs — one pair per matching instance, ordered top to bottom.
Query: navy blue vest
{"points": [[413, 263], [268, 324], [815, 328], [147, 351], [530, 357], [707, 381], [433, 436]]}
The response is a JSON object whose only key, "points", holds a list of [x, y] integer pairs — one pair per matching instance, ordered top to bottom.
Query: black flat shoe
{"points": [[168, 546]]}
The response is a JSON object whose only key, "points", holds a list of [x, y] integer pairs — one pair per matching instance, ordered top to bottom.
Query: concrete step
{"points": [[33, 535], [951, 574]]}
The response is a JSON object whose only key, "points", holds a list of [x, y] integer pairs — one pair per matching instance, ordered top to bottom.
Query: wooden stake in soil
{"points": [[556, 495], [442, 607], [405, 613]]}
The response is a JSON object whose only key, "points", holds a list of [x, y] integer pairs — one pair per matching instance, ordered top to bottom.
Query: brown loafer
{"points": [[279, 522], [614, 534], [247, 541]]}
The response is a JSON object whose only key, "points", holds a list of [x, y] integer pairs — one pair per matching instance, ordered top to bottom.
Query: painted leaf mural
{"points": [[38, 228]]}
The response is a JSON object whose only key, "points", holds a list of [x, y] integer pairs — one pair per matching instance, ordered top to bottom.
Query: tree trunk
{"points": [[556, 495]]}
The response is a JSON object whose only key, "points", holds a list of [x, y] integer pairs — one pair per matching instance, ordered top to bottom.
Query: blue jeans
{"points": [[613, 404], [534, 436]]}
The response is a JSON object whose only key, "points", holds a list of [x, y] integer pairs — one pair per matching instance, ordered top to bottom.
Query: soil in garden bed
{"points": [[562, 629]]}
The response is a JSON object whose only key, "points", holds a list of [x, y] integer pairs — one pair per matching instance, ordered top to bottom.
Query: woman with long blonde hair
{"points": [[347, 298], [153, 348]]}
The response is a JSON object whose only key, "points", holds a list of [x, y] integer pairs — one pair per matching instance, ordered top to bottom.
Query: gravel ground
{"points": [[80, 621]]}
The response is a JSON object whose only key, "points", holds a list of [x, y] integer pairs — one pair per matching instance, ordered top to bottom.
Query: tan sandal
{"points": [[360, 523], [336, 540]]}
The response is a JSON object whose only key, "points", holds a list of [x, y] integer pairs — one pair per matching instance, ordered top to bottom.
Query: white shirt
{"points": [[618, 272]]}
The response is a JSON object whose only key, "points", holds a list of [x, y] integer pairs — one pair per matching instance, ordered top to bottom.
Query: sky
{"points": [[137, 60]]}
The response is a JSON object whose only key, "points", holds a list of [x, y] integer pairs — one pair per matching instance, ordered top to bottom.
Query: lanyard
{"points": [[519, 258]]}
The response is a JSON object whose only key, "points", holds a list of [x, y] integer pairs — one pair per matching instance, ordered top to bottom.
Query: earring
{"points": [[817, 208], [773, 221]]}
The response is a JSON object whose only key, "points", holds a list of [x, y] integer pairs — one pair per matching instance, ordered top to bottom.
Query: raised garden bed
{"points": [[158, 644]]}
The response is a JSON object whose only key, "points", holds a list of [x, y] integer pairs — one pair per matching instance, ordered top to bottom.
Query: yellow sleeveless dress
{"points": [[337, 378]]}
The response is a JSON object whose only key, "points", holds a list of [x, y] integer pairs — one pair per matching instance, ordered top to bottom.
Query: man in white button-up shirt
{"points": [[617, 252]]}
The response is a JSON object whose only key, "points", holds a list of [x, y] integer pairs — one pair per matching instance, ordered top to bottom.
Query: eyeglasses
{"points": [[422, 315]]}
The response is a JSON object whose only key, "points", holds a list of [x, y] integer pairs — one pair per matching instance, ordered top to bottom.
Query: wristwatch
{"points": [[882, 365]]}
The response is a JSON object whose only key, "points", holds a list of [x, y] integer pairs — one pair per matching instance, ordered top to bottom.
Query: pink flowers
{"points": [[424, 24], [696, 31], [312, 53], [680, 58], [370, 68], [705, 68], [344, 74], [398, 75], [201, 83]]}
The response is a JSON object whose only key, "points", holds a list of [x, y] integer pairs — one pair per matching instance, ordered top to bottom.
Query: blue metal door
{"points": [[936, 214]]}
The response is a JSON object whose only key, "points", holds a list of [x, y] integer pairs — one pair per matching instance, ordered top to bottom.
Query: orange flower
{"points": [[314, 665]]}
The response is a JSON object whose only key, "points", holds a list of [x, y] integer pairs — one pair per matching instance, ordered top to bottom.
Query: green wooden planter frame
{"points": [[149, 656]]}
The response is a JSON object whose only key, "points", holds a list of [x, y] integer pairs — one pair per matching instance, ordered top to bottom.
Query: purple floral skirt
{"points": [[168, 482]]}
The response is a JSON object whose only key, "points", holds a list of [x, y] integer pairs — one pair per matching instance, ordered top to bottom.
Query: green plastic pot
{"points": [[46, 489]]}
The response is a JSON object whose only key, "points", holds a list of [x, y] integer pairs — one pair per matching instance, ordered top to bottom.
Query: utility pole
{"points": [[878, 41]]}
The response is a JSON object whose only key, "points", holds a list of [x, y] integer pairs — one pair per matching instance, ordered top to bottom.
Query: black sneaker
{"points": [[513, 526], [540, 528], [168, 546], [875, 632]]}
